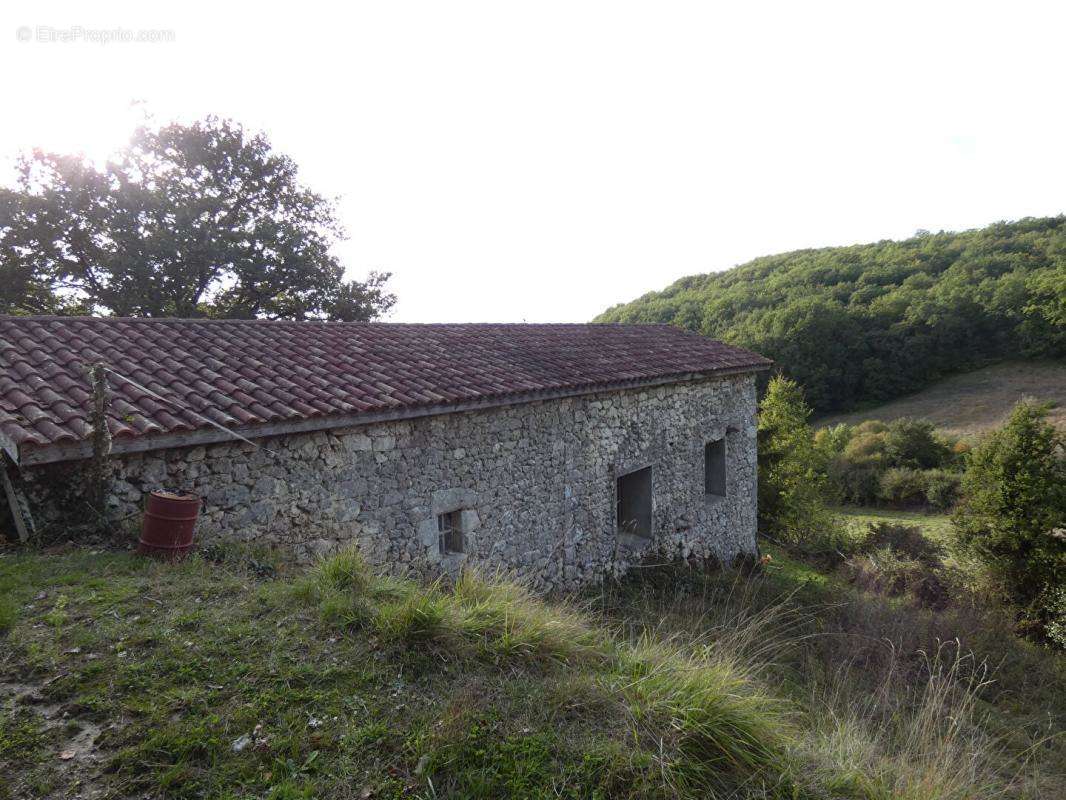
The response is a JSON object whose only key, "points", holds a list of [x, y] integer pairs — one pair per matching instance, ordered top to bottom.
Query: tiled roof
{"points": [[252, 375]]}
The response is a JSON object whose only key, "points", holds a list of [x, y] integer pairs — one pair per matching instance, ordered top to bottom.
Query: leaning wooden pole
{"points": [[100, 467]]}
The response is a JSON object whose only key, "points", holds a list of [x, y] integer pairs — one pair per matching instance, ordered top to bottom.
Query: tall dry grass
{"points": [[732, 686], [885, 702], [917, 734]]}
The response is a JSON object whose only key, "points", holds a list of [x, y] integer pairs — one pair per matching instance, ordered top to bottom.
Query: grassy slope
{"points": [[974, 402], [125, 678]]}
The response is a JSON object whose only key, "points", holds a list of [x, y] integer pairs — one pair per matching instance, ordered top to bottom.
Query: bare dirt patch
{"points": [[71, 741]]}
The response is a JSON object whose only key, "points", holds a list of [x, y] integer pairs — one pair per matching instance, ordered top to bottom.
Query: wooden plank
{"points": [[18, 508]]}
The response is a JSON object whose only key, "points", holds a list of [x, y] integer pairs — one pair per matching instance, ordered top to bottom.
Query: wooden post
{"points": [[99, 467], [18, 506]]}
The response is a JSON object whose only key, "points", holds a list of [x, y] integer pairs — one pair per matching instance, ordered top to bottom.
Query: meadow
{"points": [[234, 675]]}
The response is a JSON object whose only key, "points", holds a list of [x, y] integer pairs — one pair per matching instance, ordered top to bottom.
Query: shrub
{"points": [[870, 426], [832, 441], [914, 443], [866, 448], [858, 484], [902, 487], [941, 488], [1014, 499], [907, 540], [827, 546], [899, 560], [883, 572]]}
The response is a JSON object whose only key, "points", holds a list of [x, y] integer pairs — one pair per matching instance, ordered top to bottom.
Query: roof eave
{"points": [[31, 455]]}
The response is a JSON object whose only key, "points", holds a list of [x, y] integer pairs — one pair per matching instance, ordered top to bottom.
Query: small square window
{"points": [[714, 468], [450, 531]]}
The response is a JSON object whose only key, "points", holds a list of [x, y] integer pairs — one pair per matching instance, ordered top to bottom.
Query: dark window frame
{"points": [[715, 468], [634, 492], [450, 537]]}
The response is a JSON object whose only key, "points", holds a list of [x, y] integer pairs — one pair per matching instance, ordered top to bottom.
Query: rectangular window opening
{"points": [[714, 468], [633, 495], [450, 532]]}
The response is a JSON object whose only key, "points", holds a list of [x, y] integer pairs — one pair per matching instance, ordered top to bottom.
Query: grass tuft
{"points": [[347, 571], [423, 615], [504, 619], [725, 728]]}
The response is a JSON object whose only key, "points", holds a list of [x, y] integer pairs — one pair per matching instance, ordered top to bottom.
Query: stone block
{"points": [[358, 443]]}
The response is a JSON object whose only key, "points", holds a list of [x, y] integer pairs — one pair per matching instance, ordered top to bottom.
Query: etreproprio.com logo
{"points": [[78, 34]]}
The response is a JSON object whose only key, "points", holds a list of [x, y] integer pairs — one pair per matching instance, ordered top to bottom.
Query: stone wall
{"points": [[535, 484]]}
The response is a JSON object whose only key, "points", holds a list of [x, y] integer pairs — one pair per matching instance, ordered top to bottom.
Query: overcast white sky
{"points": [[544, 160]]}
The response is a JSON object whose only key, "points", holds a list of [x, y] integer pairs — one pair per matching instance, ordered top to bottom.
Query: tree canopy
{"points": [[187, 221], [870, 322]]}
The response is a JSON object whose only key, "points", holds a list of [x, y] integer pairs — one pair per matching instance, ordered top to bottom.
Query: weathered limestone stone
{"points": [[383, 443], [534, 485]]}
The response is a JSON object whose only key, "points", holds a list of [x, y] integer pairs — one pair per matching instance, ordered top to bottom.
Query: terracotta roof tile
{"points": [[253, 373]]}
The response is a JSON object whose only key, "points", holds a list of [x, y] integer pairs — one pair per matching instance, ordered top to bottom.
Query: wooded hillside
{"points": [[871, 322]]}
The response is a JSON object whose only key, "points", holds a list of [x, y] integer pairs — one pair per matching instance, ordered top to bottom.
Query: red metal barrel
{"points": [[169, 521]]}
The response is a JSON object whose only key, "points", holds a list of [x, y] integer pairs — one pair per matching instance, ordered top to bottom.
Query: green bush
{"points": [[870, 426], [832, 440], [914, 443], [866, 447], [854, 484], [902, 487], [941, 488], [1014, 505], [906, 540], [899, 560], [889, 572]]}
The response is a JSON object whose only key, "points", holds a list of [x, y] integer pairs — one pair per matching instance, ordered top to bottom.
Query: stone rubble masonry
{"points": [[534, 482]]}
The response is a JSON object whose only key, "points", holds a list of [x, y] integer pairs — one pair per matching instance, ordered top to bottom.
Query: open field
{"points": [[967, 405], [935, 526], [121, 678]]}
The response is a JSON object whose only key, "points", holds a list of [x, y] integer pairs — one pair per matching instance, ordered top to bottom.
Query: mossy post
{"points": [[99, 468]]}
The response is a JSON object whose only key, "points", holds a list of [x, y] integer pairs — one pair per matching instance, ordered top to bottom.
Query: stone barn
{"points": [[558, 453]]}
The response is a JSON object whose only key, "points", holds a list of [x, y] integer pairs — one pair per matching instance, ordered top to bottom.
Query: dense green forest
{"points": [[870, 322]]}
